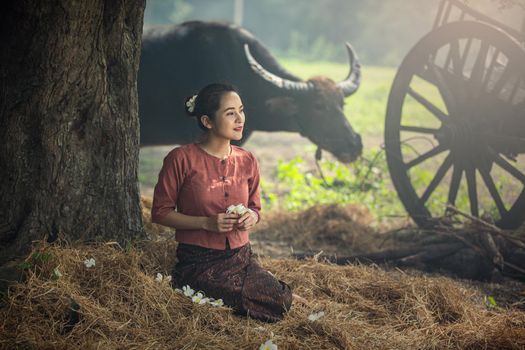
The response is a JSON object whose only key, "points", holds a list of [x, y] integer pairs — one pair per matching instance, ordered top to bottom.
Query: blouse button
{"points": [[223, 161], [223, 178], [226, 194]]}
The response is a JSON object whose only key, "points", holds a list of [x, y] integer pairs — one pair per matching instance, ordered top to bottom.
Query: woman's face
{"points": [[229, 118]]}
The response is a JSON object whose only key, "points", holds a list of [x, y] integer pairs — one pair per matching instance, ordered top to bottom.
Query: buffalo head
{"points": [[316, 106]]}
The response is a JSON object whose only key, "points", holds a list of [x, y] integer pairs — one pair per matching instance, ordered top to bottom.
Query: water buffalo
{"points": [[178, 60]]}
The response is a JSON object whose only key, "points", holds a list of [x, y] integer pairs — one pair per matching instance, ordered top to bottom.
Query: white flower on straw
{"points": [[191, 103], [89, 262], [57, 272], [159, 278], [178, 290], [188, 291], [199, 298], [217, 302], [315, 316], [268, 345]]}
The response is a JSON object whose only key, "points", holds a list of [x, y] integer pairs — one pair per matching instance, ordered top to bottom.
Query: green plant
{"points": [[364, 182], [35, 259]]}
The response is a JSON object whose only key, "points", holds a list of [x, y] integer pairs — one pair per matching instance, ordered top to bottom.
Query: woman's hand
{"points": [[247, 220], [221, 222]]}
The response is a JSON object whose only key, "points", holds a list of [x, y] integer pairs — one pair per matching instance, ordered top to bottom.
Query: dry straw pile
{"points": [[322, 227], [107, 297], [121, 306]]}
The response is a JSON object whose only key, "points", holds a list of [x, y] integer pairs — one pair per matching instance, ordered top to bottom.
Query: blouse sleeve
{"points": [[170, 180], [254, 196]]}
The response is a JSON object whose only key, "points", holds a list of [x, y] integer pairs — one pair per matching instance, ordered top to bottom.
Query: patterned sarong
{"points": [[235, 276]]}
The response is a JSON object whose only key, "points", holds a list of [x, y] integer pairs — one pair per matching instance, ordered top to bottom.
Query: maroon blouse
{"points": [[196, 183]]}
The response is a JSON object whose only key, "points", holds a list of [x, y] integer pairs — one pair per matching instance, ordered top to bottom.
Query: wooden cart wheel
{"points": [[455, 125]]}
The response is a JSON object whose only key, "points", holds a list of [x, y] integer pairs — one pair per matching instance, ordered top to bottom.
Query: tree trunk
{"points": [[69, 130]]}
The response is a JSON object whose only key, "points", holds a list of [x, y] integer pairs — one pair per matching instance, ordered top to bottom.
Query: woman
{"points": [[201, 180]]}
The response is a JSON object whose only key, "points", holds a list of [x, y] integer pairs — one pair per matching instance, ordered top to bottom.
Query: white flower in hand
{"points": [[237, 209], [241, 209], [89, 262], [187, 291], [315, 316], [268, 345]]}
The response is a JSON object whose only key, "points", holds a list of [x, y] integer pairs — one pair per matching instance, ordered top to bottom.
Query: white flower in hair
{"points": [[191, 103]]}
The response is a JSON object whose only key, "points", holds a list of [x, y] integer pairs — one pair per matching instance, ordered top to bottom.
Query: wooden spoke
{"points": [[448, 7], [438, 15], [466, 51], [455, 56], [493, 61], [478, 71], [505, 77], [443, 87], [514, 90], [428, 105], [418, 129], [435, 151], [447, 163], [509, 167], [457, 172], [472, 191], [493, 191]]}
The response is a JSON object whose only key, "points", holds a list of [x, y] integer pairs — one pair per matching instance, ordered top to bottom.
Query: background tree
{"points": [[69, 121]]}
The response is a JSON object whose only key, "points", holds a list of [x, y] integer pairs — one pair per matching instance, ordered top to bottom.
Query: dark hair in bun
{"points": [[208, 101]]}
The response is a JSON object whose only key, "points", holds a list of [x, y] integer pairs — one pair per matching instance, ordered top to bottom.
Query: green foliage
{"points": [[364, 182], [35, 259], [490, 302]]}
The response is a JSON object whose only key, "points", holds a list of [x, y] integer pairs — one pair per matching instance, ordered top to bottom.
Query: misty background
{"points": [[381, 31]]}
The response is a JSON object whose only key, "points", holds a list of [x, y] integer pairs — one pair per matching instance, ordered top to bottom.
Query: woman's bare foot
{"points": [[299, 299]]}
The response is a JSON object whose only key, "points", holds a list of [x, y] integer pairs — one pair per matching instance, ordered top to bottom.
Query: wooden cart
{"points": [[457, 109]]}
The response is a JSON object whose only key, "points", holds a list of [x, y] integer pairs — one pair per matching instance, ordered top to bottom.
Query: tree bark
{"points": [[69, 129]]}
